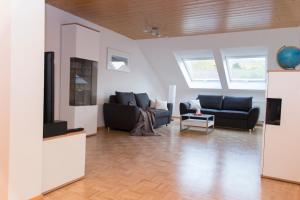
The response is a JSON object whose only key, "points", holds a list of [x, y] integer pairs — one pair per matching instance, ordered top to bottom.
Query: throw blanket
{"points": [[144, 126]]}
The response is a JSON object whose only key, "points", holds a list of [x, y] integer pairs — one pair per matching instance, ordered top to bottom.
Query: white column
{"points": [[5, 33], [172, 94], [21, 124]]}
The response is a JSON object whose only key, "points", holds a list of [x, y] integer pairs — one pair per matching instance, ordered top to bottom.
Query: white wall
{"points": [[5, 35], [159, 53], [142, 78], [26, 103], [21, 124]]}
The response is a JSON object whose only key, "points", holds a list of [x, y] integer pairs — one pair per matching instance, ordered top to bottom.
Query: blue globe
{"points": [[288, 57]]}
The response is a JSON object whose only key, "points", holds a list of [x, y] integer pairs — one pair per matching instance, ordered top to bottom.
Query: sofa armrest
{"points": [[185, 107], [170, 108], [119, 116], [253, 117]]}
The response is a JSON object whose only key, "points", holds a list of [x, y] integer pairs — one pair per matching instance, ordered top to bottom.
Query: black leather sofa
{"points": [[122, 111], [231, 112]]}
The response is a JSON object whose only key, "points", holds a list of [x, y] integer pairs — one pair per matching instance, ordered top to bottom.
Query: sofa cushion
{"points": [[126, 98], [113, 99], [142, 100], [211, 101], [152, 103], [237, 103], [194, 104], [161, 105], [210, 111], [159, 113], [229, 114], [233, 114]]}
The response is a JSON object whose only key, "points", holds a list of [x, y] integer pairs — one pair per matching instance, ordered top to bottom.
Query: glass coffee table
{"points": [[197, 121]]}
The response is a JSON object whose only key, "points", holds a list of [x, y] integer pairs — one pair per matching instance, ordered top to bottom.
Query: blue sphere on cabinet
{"points": [[288, 57]]}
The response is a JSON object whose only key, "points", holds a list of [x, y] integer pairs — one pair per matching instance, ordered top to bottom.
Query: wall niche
{"points": [[83, 82], [273, 114]]}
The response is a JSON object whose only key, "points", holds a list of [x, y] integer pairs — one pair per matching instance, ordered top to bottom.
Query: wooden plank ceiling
{"points": [[184, 17]]}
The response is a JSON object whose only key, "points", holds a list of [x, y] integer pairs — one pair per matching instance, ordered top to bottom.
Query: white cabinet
{"points": [[84, 43], [282, 142], [63, 160]]}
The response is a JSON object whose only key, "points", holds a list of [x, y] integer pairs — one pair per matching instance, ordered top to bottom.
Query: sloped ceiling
{"points": [[160, 53]]}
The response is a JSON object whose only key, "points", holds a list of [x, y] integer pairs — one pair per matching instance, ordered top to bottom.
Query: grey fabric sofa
{"points": [[122, 111], [231, 112]]}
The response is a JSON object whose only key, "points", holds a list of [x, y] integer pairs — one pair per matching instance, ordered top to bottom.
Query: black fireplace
{"points": [[273, 114], [51, 127]]}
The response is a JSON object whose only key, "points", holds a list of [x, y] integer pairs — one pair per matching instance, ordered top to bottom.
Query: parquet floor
{"points": [[224, 165]]}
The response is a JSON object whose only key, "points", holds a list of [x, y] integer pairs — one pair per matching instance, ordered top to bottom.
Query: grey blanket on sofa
{"points": [[144, 126]]}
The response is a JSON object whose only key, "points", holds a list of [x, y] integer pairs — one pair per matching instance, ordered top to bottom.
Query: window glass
{"points": [[246, 68], [202, 69]]}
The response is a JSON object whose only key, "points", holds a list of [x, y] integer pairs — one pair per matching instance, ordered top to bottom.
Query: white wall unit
{"points": [[81, 42], [87, 43], [86, 116], [282, 142], [63, 160]]}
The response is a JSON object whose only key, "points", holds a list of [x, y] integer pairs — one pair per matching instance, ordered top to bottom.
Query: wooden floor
{"points": [[224, 165]]}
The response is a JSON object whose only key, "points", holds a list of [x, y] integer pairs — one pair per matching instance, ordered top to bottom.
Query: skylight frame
{"points": [[197, 55], [197, 59]]}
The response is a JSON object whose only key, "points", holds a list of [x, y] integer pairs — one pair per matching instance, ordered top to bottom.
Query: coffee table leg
{"points": [[213, 122], [180, 123], [211, 127]]}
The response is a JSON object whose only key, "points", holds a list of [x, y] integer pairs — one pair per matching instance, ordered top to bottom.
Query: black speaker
{"points": [[49, 87], [51, 127]]}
